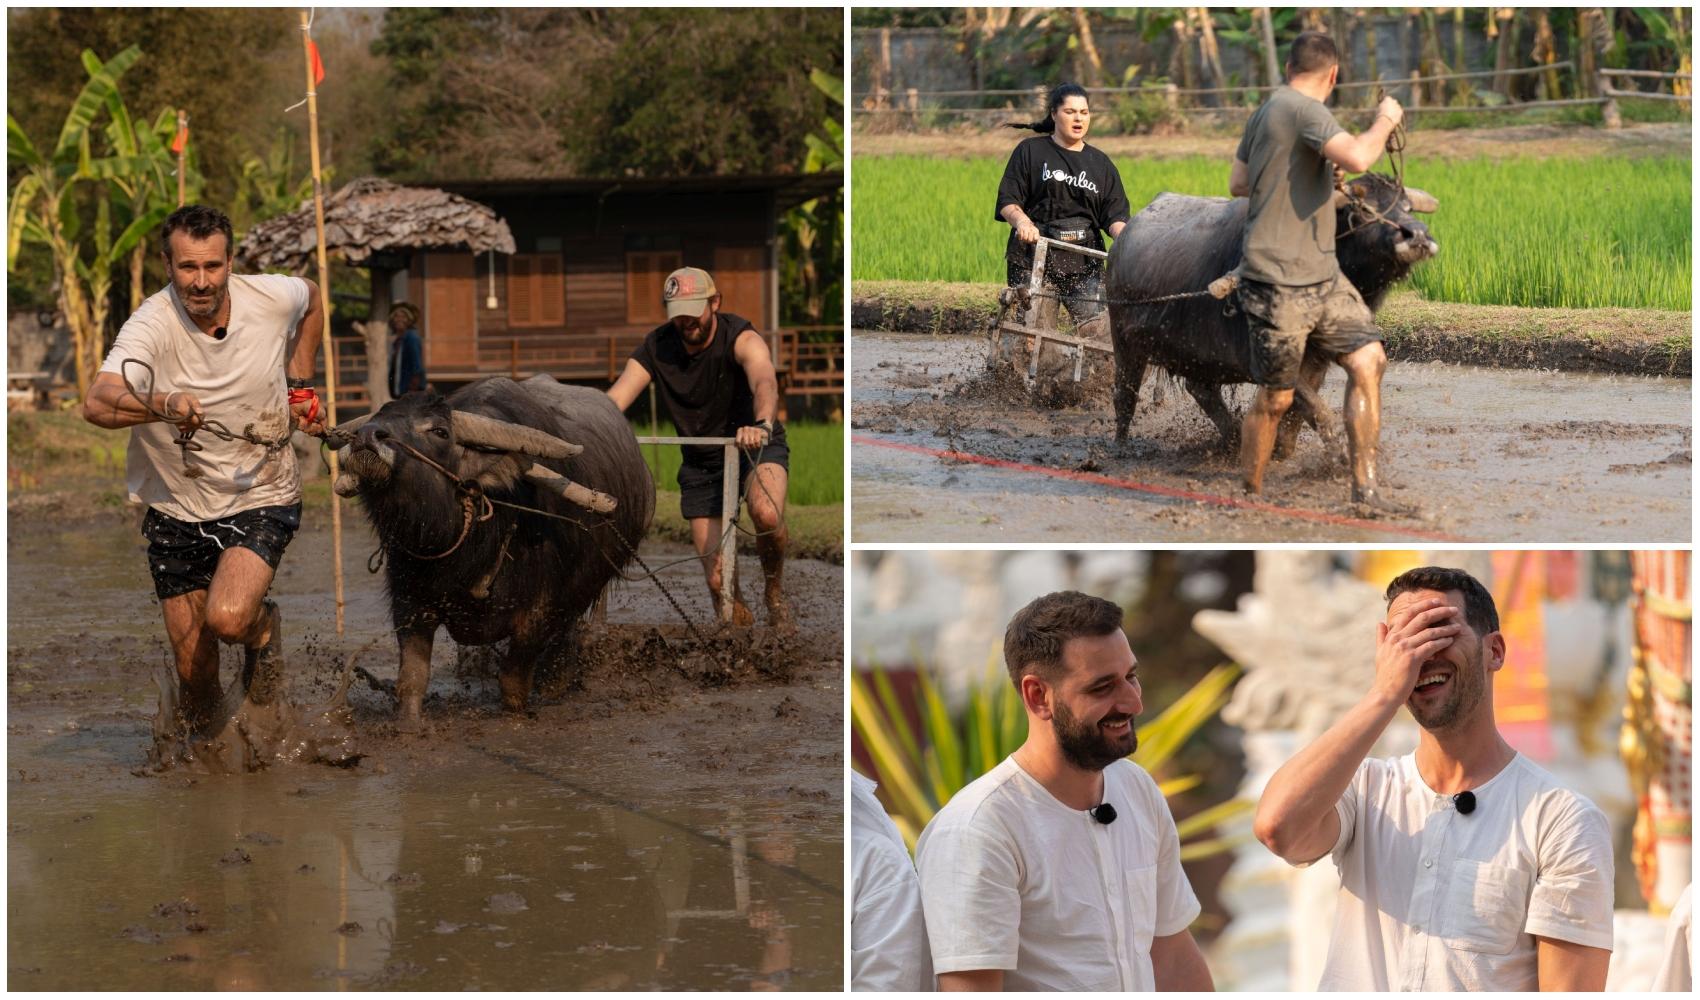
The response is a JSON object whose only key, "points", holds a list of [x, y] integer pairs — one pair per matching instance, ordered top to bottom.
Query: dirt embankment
{"points": [[1608, 341]]}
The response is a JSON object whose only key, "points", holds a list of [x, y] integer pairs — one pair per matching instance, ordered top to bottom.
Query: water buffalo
{"points": [[1180, 243], [434, 475]]}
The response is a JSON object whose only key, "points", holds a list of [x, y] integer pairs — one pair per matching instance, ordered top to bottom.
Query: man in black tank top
{"points": [[715, 376]]}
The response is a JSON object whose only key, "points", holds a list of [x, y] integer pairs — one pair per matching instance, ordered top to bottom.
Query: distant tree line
{"points": [[419, 93]]}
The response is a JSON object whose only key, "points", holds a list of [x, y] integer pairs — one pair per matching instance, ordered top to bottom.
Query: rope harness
{"points": [[186, 436]]}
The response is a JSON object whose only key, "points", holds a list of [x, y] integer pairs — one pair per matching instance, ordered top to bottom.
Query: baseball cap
{"points": [[687, 292]]}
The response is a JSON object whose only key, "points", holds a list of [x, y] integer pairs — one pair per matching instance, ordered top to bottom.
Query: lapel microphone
{"points": [[219, 334], [1466, 802], [1106, 813]]}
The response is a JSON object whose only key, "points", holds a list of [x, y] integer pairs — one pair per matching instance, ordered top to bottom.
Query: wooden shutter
{"points": [[646, 272], [740, 275], [537, 293], [450, 321]]}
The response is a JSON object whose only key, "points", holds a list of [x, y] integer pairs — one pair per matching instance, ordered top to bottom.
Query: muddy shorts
{"points": [[1081, 294], [1330, 317], [700, 481], [182, 555]]}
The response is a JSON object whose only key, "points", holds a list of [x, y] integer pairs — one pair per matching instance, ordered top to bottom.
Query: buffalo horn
{"points": [[1422, 201], [487, 432], [342, 435], [570, 491]]}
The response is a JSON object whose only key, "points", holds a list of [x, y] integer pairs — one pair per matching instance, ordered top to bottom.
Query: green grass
{"points": [[1602, 231], [817, 461]]}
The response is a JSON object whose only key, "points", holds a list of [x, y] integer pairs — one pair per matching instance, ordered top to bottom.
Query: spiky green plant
{"points": [[919, 771]]}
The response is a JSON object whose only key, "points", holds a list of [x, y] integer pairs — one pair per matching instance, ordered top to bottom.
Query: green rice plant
{"points": [[1594, 232], [817, 460], [921, 770]]}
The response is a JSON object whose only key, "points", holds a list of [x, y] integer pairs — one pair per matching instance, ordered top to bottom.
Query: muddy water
{"points": [[1485, 454], [646, 827]]}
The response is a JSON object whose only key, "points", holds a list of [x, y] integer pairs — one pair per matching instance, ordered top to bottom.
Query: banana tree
{"points": [[140, 170], [44, 209], [818, 219], [920, 769]]}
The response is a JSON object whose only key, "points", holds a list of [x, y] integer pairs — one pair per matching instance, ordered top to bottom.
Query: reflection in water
{"points": [[503, 879]]}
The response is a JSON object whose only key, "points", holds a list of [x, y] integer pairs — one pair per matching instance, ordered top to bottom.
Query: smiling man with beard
{"points": [[239, 349], [1463, 866], [1059, 869]]}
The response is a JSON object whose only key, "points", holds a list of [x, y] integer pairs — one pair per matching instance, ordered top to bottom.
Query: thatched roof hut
{"points": [[369, 216]]}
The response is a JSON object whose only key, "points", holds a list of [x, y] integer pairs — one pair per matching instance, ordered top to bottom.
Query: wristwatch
{"points": [[299, 383]]}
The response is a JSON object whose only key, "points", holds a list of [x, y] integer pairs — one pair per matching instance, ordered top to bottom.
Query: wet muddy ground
{"points": [[1477, 453], [669, 817]]}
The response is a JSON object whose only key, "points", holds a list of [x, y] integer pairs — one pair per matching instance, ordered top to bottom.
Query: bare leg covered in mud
{"points": [[1364, 369], [1257, 433], [765, 493], [231, 610]]}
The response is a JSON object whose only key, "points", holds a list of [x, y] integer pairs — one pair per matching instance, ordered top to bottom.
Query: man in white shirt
{"points": [[239, 350], [1463, 866], [1059, 869], [888, 940]]}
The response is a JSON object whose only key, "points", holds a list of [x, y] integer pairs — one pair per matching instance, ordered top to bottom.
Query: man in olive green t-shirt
{"points": [[1291, 287]]}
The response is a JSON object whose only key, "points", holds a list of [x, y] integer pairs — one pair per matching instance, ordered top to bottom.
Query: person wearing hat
{"points": [[407, 357], [716, 378]]}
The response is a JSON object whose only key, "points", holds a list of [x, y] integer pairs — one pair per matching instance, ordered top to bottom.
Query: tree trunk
{"points": [[1588, 22], [1340, 26], [1546, 52], [1210, 55], [1505, 55], [1460, 60], [1180, 63], [1431, 63], [1091, 66], [1271, 71], [1374, 73], [138, 260], [375, 334]]}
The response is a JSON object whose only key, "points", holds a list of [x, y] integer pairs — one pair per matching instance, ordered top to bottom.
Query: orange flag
{"points": [[318, 64], [181, 140]]}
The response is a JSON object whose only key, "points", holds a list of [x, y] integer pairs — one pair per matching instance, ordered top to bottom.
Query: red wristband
{"points": [[305, 396]]}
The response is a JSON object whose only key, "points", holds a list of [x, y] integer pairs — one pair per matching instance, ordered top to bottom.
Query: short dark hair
{"points": [[1312, 52], [200, 222], [1479, 610], [1033, 642]]}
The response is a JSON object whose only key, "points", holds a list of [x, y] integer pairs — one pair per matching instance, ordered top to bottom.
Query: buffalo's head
{"points": [[1378, 248], [414, 445]]}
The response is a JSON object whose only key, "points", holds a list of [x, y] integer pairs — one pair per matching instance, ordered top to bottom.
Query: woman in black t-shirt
{"points": [[1057, 186]]}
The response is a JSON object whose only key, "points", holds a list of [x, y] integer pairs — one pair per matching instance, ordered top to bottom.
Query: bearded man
{"points": [[239, 349], [1463, 866], [1060, 869]]}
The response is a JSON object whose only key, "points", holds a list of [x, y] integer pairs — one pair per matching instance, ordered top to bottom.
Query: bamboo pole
{"points": [[182, 158], [324, 297]]}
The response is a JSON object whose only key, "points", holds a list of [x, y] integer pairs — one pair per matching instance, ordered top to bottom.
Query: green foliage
{"points": [[700, 92], [273, 184], [1601, 231], [812, 269], [817, 457], [920, 770]]}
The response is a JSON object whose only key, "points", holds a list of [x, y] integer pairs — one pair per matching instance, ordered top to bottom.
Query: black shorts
{"points": [[1081, 294], [1287, 320], [700, 481], [182, 555]]}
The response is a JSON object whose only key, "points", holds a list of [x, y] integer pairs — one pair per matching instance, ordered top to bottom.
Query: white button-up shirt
{"points": [[1013, 879], [1431, 899], [888, 939]]}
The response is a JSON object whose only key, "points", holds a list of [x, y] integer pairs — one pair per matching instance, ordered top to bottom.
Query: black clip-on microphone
{"points": [[1466, 802], [1105, 813]]}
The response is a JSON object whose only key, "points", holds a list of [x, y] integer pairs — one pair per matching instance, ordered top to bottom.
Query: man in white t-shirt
{"points": [[215, 352], [1463, 866], [1060, 869], [888, 940]]}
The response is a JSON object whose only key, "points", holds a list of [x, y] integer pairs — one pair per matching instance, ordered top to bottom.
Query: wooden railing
{"points": [[806, 365]]}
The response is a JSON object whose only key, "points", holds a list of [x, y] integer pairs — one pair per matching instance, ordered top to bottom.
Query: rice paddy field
{"points": [[1562, 233]]}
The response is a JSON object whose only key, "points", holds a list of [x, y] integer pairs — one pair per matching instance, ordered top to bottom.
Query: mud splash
{"points": [[1478, 453]]}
